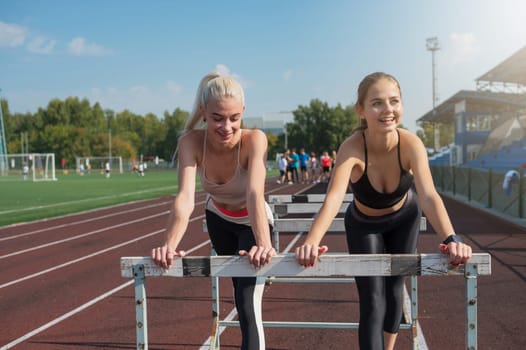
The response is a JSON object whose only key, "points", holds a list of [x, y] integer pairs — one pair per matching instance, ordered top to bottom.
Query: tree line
{"points": [[75, 127]]}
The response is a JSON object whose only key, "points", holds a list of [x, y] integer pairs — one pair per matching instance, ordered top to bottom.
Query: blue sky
{"points": [[148, 56]]}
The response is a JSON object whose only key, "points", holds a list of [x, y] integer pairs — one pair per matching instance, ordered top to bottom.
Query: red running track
{"points": [[60, 286]]}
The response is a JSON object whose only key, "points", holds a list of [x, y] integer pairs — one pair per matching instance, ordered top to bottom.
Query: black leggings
{"points": [[229, 238], [381, 298]]}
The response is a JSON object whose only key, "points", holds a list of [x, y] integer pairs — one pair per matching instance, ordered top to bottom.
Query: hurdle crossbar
{"points": [[303, 198], [304, 225], [329, 265]]}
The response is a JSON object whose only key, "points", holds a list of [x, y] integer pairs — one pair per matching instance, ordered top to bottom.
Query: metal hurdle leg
{"points": [[471, 306], [414, 311], [141, 324], [214, 338]]}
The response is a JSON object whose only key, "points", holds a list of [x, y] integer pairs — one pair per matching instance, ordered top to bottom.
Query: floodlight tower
{"points": [[433, 46], [3, 148]]}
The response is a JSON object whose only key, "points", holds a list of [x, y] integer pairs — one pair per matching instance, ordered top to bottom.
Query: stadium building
{"points": [[490, 122]]}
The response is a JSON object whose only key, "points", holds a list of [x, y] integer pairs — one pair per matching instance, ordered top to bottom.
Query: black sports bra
{"points": [[366, 194]]}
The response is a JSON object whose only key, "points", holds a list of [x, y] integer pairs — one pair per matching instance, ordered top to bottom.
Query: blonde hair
{"points": [[216, 86], [363, 88]]}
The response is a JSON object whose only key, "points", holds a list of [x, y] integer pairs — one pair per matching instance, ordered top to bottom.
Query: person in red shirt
{"points": [[325, 162]]}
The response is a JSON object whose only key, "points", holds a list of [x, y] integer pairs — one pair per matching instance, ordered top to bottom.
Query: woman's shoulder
{"points": [[253, 133], [192, 134], [253, 136], [407, 136], [192, 138], [354, 140], [411, 145]]}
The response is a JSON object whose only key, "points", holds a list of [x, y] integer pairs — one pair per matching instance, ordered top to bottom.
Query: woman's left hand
{"points": [[459, 253], [259, 255]]}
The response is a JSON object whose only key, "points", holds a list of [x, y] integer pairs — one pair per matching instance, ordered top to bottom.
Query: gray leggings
{"points": [[381, 298]]}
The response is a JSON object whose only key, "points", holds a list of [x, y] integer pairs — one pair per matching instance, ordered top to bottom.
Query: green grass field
{"points": [[23, 201], [27, 201]]}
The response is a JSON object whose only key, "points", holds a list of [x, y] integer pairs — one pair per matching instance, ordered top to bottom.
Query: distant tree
{"points": [[174, 124], [130, 127], [319, 127], [154, 136], [273, 146]]}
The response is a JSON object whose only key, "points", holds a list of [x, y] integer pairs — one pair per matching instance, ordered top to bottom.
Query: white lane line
{"points": [[83, 200], [50, 228], [82, 235], [71, 262], [93, 301], [83, 306], [65, 316], [230, 317], [420, 339]]}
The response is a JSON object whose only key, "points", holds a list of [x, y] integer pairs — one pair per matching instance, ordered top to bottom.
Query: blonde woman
{"points": [[231, 163], [389, 174]]}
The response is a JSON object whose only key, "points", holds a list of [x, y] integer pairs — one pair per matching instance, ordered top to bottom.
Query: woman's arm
{"points": [[430, 201], [183, 204], [263, 251], [307, 254]]}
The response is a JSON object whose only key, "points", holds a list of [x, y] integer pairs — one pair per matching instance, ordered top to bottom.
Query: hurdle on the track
{"points": [[283, 205], [331, 265]]}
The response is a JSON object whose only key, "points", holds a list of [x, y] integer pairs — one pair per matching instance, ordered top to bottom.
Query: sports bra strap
{"points": [[397, 146], [365, 150]]}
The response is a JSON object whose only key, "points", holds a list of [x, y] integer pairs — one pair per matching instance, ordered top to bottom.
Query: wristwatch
{"points": [[452, 238]]}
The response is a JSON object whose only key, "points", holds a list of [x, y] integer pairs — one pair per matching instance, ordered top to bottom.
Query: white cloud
{"points": [[12, 35], [41, 45], [80, 47], [464, 48], [225, 71], [287, 75], [173, 88], [139, 90], [141, 99]]}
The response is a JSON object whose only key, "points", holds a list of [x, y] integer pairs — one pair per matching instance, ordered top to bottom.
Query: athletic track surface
{"points": [[60, 286]]}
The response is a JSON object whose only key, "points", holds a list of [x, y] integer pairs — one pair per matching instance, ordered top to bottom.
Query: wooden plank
{"points": [[303, 198], [283, 209], [304, 224], [329, 265]]}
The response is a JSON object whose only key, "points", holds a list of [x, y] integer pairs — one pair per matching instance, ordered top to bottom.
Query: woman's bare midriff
{"points": [[231, 207], [379, 212]]}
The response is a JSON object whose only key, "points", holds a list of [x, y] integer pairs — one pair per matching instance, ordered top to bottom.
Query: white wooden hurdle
{"points": [[306, 204], [311, 204], [331, 265]]}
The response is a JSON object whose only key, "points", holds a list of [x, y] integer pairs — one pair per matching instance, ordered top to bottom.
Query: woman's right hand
{"points": [[308, 254], [164, 256]]}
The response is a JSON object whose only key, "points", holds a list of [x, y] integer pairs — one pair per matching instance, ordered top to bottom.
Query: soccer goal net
{"points": [[98, 164], [29, 166]]}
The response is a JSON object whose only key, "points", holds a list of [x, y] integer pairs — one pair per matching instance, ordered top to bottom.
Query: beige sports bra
{"points": [[231, 192]]}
